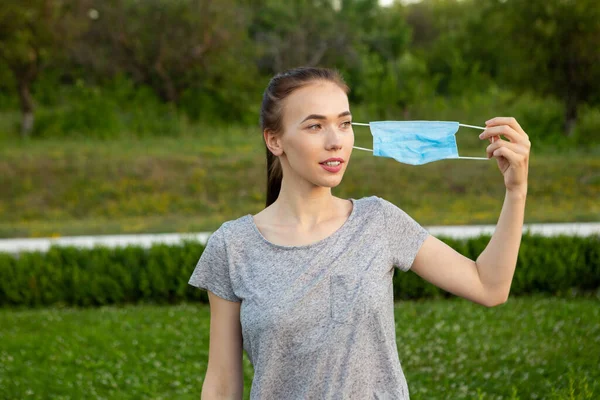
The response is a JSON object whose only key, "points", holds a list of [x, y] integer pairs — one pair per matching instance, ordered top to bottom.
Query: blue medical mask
{"points": [[416, 142]]}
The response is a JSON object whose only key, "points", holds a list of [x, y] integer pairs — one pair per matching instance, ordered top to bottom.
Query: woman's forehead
{"points": [[322, 98]]}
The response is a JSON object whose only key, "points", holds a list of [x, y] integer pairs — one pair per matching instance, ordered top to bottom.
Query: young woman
{"points": [[305, 285]]}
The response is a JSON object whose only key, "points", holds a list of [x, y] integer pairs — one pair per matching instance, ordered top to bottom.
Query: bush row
{"points": [[121, 110], [560, 265]]}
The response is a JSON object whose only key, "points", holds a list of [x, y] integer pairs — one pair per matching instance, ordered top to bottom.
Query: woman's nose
{"points": [[334, 139]]}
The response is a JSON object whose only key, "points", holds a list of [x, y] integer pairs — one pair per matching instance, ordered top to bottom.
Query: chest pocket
{"points": [[344, 294]]}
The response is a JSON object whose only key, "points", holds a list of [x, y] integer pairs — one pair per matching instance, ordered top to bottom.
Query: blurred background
{"points": [[141, 116]]}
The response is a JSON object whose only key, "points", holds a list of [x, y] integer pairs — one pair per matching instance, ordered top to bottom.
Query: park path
{"points": [[458, 232]]}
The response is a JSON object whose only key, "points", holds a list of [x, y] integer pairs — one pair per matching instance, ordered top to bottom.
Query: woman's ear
{"points": [[273, 142]]}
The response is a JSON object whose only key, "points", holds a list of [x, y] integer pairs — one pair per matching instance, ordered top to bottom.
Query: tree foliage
{"points": [[33, 34], [558, 49], [209, 58]]}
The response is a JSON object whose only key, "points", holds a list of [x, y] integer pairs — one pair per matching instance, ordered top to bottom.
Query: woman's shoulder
{"points": [[370, 199], [370, 202], [381, 202], [377, 204], [234, 224], [231, 228]]}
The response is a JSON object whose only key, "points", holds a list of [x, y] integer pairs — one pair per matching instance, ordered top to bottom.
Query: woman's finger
{"points": [[510, 121], [505, 131], [516, 147], [513, 158]]}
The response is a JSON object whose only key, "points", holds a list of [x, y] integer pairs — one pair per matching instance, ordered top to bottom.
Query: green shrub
{"points": [[117, 109], [543, 118], [587, 128], [561, 265]]}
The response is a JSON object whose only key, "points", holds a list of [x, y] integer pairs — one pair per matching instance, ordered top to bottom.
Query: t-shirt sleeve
{"points": [[404, 235], [212, 270]]}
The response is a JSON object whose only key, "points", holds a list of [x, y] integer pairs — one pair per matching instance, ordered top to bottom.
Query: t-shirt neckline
{"points": [[306, 246]]}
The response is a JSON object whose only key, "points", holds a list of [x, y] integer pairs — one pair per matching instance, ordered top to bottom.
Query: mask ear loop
{"points": [[465, 125], [356, 147], [473, 158]]}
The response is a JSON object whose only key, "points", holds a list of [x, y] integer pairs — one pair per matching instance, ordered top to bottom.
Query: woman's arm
{"points": [[487, 280], [224, 378]]}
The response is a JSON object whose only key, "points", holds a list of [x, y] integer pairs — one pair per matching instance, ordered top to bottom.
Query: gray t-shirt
{"points": [[317, 320]]}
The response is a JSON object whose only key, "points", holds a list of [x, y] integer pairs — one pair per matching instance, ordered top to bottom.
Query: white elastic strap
{"points": [[465, 125], [472, 126], [362, 148], [453, 158], [472, 158]]}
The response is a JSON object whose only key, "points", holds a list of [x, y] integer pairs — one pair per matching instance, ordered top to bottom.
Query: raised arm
{"points": [[487, 280], [224, 375]]}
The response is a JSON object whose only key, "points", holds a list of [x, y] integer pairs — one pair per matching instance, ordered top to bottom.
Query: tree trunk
{"points": [[26, 108], [570, 117]]}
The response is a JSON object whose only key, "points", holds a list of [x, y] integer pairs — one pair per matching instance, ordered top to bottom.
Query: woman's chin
{"points": [[331, 181]]}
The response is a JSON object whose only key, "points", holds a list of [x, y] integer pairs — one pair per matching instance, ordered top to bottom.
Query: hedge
{"points": [[69, 276]]}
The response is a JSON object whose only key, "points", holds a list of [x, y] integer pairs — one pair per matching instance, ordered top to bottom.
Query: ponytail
{"points": [[274, 177]]}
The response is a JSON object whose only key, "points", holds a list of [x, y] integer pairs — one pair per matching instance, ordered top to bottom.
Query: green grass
{"points": [[197, 181], [528, 348]]}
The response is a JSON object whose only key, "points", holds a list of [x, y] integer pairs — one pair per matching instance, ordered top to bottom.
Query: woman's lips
{"points": [[332, 169]]}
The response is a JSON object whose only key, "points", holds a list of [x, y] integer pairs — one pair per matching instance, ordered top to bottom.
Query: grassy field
{"points": [[195, 182], [528, 348]]}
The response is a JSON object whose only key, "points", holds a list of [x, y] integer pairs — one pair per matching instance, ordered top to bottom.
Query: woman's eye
{"points": [[346, 124], [314, 127]]}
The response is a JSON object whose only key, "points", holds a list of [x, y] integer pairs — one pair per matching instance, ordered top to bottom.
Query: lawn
{"points": [[195, 182], [528, 348]]}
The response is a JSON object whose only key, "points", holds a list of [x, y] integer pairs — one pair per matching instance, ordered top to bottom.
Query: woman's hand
{"points": [[513, 155]]}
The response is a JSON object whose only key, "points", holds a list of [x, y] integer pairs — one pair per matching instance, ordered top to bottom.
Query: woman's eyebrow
{"points": [[317, 116]]}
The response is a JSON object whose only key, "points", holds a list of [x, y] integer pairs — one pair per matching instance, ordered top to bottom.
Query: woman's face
{"points": [[316, 128]]}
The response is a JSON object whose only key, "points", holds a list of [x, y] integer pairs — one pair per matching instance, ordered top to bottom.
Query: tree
{"points": [[33, 33], [301, 33], [447, 34], [167, 45], [548, 46], [559, 47], [392, 77]]}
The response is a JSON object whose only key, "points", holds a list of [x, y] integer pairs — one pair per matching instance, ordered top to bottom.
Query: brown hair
{"points": [[271, 115]]}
